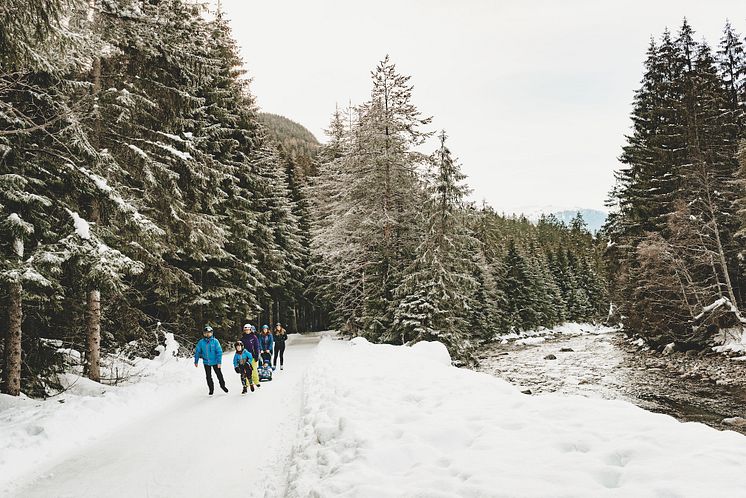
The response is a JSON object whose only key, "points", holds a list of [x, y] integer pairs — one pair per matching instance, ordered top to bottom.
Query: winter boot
{"points": [[280, 367], [251, 386], [225, 389], [244, 390], [210, 393]]}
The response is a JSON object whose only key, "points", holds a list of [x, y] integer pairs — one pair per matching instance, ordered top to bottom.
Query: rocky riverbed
{"points": [[699, 387]]}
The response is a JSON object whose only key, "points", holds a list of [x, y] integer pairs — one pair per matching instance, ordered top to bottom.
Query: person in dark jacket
{"points": [[280, 335], [251, 344], [266, 344], [209, 349], [242, 365]]}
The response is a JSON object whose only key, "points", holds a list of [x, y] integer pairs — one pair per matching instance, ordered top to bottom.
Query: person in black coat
{"points": [[281, 335]]}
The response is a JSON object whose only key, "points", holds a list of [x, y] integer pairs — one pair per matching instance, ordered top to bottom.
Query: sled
{"points": [[265, 374]]}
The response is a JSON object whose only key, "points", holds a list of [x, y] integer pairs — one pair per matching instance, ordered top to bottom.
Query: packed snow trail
{"points": [[198, 445]]}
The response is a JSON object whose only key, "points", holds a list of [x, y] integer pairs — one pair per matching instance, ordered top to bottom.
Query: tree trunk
{"points": [[720, 250], [93, 298], [93, 326], [12, 384]]}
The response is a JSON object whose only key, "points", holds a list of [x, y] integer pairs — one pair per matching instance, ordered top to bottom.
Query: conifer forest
{"points": [[143, 191], [315, 248]]}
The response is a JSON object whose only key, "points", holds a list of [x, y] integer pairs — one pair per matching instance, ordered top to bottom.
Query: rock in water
{"points": [[567, 350], [550, 357], [735, 421]]}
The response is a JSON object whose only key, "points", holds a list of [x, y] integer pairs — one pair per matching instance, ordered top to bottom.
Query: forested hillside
{"points": [[294, 138], [677, 236]]}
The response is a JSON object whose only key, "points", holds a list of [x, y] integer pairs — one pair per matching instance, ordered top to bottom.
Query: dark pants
{"points": [[280, 350], [245, 371], [208, 375]]}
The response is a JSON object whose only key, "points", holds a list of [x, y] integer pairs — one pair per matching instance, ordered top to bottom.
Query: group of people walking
{"points": [[255, 356]]}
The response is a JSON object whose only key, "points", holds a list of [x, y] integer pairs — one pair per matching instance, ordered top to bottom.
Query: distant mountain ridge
{"points": [[594, 218]]}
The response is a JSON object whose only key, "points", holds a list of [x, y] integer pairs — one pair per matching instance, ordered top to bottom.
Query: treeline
{"points": [[138, 189], [676, 240], [399, 255]]}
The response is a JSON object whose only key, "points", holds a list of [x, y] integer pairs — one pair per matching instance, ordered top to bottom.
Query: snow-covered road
{"points": [[195, 445]]}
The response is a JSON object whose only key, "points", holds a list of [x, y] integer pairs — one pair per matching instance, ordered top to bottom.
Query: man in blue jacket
{"points": [[208, 348]]}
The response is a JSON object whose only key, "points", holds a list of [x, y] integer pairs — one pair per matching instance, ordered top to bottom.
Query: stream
{"points": [[695, 387]]}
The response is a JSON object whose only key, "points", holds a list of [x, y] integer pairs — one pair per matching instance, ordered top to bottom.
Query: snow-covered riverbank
{"points": [[699, 386], [395, 421]]}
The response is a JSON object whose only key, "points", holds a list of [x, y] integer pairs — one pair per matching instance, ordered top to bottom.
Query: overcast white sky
{"points": [[534, 94]]}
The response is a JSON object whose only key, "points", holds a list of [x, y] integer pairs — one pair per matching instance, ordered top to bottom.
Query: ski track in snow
{"points": [[223, 445]]}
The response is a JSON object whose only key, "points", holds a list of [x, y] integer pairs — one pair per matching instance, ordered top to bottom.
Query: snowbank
{"points": [[536, 336], [730, 340], [530, 341], [382, 420], [34, 431]]}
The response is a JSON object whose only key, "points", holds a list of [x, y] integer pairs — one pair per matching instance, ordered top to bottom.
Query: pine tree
{"points": [[731, 62], [40, 145], [711, 150], [386, 181], [645, 186], [368, 235], [677, 250], [337, 276], [517, 286], [436, 291], [548, 303]]}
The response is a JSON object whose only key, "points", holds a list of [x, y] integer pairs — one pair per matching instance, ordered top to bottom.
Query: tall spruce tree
{"points": [[41, 147], [371, 228], [436, 291]]}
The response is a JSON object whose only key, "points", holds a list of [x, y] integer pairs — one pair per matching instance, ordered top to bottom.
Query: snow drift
{"points": [[389, 421], [33, 432]]}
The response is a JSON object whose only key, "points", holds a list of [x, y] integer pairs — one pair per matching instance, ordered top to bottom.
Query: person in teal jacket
{"points": [[266, 344], [208, 348], [242, 365]]}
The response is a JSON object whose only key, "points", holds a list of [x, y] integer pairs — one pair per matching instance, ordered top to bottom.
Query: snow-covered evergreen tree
{"points": [[370, 229], [518, 284], [436, 293]]}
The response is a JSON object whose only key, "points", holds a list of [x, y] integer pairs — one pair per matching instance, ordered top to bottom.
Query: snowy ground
{"points": [[537, 336], [358, 420], [393, 421], [163, 437]]}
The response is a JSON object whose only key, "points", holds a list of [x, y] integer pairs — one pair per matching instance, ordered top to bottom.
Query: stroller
{"points": [[265, 372]]}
